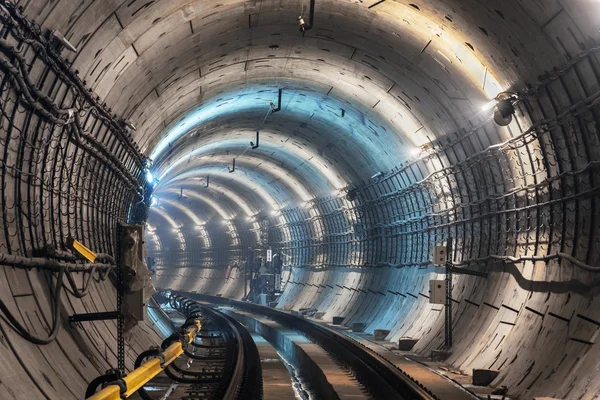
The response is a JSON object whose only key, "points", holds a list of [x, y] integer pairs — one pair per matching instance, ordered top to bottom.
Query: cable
{"points": [[55, 316]]}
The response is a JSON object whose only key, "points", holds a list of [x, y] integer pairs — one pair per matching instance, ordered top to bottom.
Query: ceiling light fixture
{"points": [[130, 125]]}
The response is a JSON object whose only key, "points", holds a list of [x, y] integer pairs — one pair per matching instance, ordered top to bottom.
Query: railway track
{"points": [[211, 357], [222, 361], [381, 378]]}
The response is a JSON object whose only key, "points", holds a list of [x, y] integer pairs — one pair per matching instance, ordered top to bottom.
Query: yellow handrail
{"points": [[148, 370]]}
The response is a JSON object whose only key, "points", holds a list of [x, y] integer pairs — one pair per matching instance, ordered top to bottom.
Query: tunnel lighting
{"points": [[302, 25], [63, 41], [489, 105], [504, 110], [130, 126], [415, 152], [377, 175], [149, 177], [339, 193], [153, 201], [275, 212], [225, 221]]}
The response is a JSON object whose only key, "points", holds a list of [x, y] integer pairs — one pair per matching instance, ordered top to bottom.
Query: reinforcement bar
{"points": [[172, 348]]}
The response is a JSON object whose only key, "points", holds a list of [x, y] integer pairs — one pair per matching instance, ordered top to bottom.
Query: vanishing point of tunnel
{"points": [[299, 199]]}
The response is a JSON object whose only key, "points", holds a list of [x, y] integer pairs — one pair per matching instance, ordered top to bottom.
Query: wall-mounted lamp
{"points": [[61, 42], [278, 108], [504, 108], [503, 112], [130, 125], [377, 175]]}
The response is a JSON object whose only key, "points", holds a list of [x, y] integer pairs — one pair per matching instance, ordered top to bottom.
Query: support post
{"points": [[120, 290], [448, 322]]}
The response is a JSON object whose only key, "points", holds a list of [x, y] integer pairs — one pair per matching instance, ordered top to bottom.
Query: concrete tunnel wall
{"points": [[393, 86]]}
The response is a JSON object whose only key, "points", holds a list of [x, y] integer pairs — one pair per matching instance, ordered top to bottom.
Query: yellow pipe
{"points": [[148, 370]]}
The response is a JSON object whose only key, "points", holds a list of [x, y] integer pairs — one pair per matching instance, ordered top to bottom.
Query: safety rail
{"points": [[171, 348]]}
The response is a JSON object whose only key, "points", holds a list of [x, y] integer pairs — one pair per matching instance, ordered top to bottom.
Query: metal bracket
{"points": [[278, 103], [255, 146], [466, 271], [120, 290], [448, 308], [97, 316]]}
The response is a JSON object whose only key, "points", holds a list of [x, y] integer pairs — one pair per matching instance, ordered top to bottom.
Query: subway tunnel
{"points": [[347, 138]]}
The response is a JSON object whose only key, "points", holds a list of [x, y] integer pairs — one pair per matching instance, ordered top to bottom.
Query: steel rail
{"points": [[382, 378], [245, 379]]}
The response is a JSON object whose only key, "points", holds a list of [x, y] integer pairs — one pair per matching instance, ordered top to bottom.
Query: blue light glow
{"points": [[149, 176]]}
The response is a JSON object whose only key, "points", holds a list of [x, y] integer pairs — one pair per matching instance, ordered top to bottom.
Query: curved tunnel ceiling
{"points": [[162, 60], [360, 91], [383, 147]]}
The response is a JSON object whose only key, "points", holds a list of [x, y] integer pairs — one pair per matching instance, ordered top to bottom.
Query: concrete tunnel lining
{"points": [[527, 191]]}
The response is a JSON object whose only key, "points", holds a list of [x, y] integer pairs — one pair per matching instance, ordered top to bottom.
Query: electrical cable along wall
{"points": [[68, 169], [334, 185], [524, 210]]}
